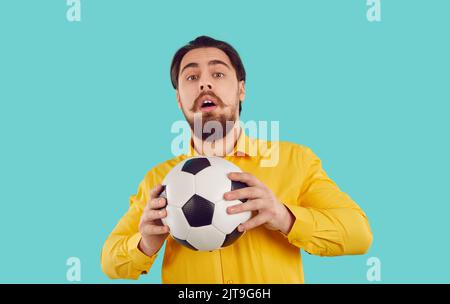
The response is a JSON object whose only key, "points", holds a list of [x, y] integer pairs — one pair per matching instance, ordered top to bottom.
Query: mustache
{"points": [[197, 103]]}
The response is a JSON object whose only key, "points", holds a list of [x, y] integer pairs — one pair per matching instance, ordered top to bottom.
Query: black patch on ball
{"points": [[195, 165], [238, 185], [198, 211], [231, 237], [184, 243]]}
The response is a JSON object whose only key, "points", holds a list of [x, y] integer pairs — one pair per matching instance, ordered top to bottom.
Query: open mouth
{"points": [[207, 105]]}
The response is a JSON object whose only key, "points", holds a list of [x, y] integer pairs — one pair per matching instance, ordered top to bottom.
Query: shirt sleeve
{"points": [[327, 221], [120, 256]]}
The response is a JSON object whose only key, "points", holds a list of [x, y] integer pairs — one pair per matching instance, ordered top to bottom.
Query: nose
{"points": [[205, 84]]}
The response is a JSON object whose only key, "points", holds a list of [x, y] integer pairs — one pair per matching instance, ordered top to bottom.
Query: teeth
{"points": [[207, 103]]}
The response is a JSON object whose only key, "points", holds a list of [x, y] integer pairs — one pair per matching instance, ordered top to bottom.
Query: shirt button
{"points": [[229, 282]]}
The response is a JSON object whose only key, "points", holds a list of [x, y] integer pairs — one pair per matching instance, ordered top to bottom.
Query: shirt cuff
{"points": [[303, 228], [141, 261]]}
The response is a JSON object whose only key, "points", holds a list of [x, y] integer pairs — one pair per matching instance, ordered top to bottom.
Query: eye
{"points": [[218, 75], [192, 77]]}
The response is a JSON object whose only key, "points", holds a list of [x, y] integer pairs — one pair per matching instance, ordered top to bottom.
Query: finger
{"points": [[245, 178], [247, 192], [154, 193], [156, 203], [251, 205], [152, 215], [253, 222], [149, 230]]}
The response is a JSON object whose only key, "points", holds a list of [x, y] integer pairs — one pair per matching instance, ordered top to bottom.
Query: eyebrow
{"points": [[212, 62]]}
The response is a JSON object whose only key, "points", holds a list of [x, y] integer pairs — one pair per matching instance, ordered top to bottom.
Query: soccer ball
{"points": [[196, 209]]}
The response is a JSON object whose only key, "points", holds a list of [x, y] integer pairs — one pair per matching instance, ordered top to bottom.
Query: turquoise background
{"points": [[86, 109]]}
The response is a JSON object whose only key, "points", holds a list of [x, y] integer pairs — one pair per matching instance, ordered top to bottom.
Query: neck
{"points": [[219, 147]]}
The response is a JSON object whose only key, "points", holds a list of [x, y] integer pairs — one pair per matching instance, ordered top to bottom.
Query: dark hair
{"points": [[201, 42]]}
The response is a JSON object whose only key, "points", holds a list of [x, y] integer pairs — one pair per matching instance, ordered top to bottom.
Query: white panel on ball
{"points": [[211, 183], [184, 190], [177, 222], [228, 222], [206, 238]]}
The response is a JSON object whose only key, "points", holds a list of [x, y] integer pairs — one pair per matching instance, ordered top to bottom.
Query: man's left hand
{"points": [[271, 213]]}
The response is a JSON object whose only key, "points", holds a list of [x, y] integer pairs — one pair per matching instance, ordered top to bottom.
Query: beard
{"points": [[210, 126]]}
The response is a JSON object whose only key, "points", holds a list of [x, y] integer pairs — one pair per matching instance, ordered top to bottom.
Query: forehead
{"points": [[202, 56]]}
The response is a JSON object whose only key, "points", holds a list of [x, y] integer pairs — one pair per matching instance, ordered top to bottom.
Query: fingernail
{"points": [[230, 210], [240, 228]]}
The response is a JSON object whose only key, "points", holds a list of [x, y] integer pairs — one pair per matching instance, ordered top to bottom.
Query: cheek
{"points": [[229, 94], [187, 97]]}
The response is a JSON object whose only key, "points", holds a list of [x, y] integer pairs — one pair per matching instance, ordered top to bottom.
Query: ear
{"points": [[242, 90], [178, 99]]}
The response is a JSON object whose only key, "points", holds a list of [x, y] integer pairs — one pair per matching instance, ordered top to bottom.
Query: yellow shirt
{"points": [[327, 223]]}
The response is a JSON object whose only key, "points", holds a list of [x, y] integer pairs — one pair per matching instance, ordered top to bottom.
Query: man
{"points": [[295, 205]]}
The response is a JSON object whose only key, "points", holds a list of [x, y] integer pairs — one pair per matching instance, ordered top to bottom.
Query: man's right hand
{"points": [[152, 230]]}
